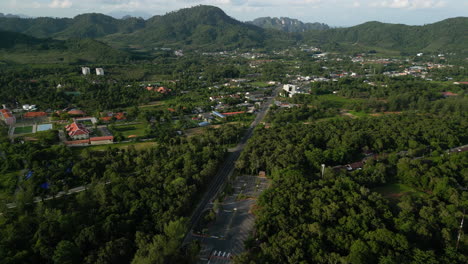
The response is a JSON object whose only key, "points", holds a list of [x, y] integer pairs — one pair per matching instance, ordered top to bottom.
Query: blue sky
{"points": [[332, 12]]}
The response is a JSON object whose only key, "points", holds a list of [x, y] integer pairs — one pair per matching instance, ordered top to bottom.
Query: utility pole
{"points": [[323, 169], [460, 230]]}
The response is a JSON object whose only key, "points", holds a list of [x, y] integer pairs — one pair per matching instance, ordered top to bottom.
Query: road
{"points": [[227, 167]]}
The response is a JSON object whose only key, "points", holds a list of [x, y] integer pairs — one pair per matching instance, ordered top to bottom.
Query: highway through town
{"points": [[227, 168]]}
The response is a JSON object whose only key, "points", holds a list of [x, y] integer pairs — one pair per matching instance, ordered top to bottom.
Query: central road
{"points": [[228, 166]]}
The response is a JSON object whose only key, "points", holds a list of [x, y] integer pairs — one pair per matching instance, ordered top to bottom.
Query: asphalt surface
{"points": [[227, 167]]}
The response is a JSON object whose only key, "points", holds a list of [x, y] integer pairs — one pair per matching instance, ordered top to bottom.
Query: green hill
{"points": [[82, 26], [201, 26], [209, 28], [447, 35], [21, 48]]}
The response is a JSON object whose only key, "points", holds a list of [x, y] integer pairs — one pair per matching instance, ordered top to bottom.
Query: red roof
{"points": [[449, 94], [76, 112], [6, 113], [234, 113], [34, 114], [120, 116], [106, 118], [75, 129], [102, 138]]}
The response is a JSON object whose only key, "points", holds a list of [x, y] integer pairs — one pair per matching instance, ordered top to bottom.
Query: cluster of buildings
{"points": [[87, 71], [81, 135]]}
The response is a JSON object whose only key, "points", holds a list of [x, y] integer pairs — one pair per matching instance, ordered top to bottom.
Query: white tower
{"points": [[85, 70], [99, 71]]}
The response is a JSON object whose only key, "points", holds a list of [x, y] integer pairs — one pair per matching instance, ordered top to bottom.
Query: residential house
{"points": [[7, 117]]}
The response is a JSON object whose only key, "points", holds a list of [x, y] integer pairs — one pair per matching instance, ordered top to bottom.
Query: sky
{"points": [[331, 12]]}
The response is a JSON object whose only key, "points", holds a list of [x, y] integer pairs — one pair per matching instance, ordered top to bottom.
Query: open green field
{"points": [[260, 84], [336, 101], [358, 114], [23, 130], [130, 130], [397, 190]]}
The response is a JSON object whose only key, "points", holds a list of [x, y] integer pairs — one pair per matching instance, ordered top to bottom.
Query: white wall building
{"points": [[85, 70], [99, 71], [291, 89]]}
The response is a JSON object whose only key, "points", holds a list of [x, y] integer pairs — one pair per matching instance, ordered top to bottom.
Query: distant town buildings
{"points": [[85, 70], [99, 71]]}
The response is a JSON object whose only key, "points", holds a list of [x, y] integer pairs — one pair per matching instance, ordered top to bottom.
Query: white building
{"points": [[85, 70], [99, 71], [291, 89]]}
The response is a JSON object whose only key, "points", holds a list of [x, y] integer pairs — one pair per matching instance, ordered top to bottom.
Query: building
{"points": [[86, 70], [99, 71], [291, 89], [34, 114], [7, 117], [77, 131], [101, 140]]}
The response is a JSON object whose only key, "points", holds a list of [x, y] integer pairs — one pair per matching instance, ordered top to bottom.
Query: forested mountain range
{"points": [[287, 24], [209, 28], [447, 35], [18, 47]]}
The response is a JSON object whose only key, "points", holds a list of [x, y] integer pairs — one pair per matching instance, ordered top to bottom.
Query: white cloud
{"points": [[60, 4], [409, 4]]}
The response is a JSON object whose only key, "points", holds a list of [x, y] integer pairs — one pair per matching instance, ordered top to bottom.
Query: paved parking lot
{"points": [[234, 222]]}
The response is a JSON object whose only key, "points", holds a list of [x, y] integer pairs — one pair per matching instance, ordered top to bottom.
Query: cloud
{"points": [[60, 4], [409, 4]]}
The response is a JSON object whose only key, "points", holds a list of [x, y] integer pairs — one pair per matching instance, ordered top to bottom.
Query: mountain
{"points": [[127, 14], [13, 15], [287, 24], [82, 26], [205, 27], [209, 28], [447, 35], [21, 48]]}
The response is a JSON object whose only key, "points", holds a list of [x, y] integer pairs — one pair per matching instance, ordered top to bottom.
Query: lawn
{"points": [[23, 130], [130, 130], [397, 190]]}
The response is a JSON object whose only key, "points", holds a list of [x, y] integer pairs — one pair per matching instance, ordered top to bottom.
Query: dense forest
{"points": [[403, 204], [133, 211]]}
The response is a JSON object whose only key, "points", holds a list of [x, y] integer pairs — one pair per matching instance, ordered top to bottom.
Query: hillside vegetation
{"points": [[209, 28], [20, 48]]}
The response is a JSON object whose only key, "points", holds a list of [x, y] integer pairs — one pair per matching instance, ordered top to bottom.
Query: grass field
{"points": [[260, 84], [336, 101], [358, 114], [23, 130], [129, 130], [397, 190]]}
